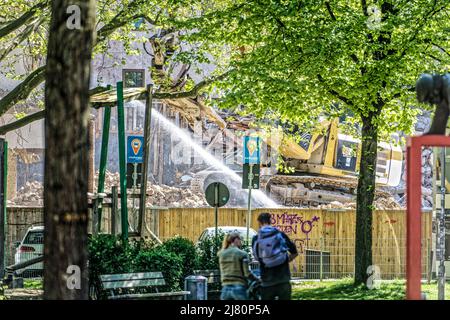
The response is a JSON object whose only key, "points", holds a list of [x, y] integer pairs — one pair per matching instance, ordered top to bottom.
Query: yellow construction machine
{"points": [[325, 166]]}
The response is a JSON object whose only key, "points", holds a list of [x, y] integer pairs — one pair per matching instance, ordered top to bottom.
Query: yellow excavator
{"points": [[325, 166]]}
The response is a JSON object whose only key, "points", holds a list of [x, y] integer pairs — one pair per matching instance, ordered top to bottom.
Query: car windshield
{"points": [[34, 237]]}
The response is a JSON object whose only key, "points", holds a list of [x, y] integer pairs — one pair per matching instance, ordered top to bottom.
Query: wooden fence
{"points": [[331, 232]]}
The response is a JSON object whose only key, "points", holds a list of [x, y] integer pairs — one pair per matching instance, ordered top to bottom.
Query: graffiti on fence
{"points": [[329, 224], [296, 226]]}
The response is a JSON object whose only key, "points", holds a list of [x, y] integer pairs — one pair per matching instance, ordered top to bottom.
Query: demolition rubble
{"points": [[31, 195], [161, 195]]}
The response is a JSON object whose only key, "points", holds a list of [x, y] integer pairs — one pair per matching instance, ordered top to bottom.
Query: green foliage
{"points": [[304, 59], [300, 60], [187, 251], [109, 254], [160, 259], [33, 284], [2, 292]]}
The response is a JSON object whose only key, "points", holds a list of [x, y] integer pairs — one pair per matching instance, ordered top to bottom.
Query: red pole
{"points": [[414, 205], [414, 209]]}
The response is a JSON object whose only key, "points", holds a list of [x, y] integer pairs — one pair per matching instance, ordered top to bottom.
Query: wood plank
{"points": [[131, 276], [132, 283], [149, 295]]}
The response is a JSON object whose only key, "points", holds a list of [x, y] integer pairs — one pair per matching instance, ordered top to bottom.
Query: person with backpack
{"points": [[274, 250], [235, 272]]}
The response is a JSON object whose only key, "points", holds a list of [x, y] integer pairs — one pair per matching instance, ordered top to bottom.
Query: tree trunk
{"points": [[66, 154], [364, 201]]}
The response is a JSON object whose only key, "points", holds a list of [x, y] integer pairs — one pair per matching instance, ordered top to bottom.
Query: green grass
{"points": [[344, 290]]}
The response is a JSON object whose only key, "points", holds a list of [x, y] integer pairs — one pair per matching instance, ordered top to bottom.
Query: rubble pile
{"points": [[427, 177], [30, 195], [162, 195], [166, 196], [381, 203]]}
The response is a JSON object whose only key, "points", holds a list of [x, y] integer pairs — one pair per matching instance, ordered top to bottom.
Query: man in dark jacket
{"points": [[274, 250]]}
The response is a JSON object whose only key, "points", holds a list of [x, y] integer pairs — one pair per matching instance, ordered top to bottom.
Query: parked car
{"points": [[31, 246]]}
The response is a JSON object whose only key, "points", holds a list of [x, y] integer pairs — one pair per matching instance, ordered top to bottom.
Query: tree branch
{"points": [[364, 8], [330, 11], [333, 17], [122, 18], [424, 19], [22, 20], [21, 38], [441, 48], [23, 90], [193, 92], [334, 92], [141, 95], [109, 98], [36, 116], [22, 122]]}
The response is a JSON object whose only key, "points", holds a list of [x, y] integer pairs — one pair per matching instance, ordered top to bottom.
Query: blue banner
{"points": [[135, 149], [251, 150]]}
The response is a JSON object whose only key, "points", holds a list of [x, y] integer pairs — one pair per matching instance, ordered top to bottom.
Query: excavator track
{"points": [[288, 190], [314, 190]]}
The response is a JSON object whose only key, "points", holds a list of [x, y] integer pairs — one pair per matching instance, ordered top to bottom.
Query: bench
{"points": [[128, 285]]}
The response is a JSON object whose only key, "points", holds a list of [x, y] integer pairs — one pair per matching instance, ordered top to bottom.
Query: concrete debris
{"points": [[29, 195], [161, 195], [381, 203]]}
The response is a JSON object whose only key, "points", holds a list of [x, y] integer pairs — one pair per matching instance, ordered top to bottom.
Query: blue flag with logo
{"points": [[135, 149], [251, 150]]}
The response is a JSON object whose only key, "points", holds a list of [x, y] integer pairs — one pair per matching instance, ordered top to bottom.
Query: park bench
{"points": [[133, 286]]}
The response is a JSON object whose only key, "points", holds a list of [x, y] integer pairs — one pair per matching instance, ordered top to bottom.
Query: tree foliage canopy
{"points": [[297, 58]]}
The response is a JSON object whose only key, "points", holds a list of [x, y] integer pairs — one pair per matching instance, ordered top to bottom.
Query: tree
{"points": [[115, 22], [23, 28], [298, 59], [66, 73], [66, 164]]}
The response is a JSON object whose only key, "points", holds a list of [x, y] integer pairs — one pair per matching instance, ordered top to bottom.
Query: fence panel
{"points": [[324, 238]]}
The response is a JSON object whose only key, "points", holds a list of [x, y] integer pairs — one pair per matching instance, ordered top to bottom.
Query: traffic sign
{"points": [[135, 148], [251, 150], [246, 178], [217, 194]]}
